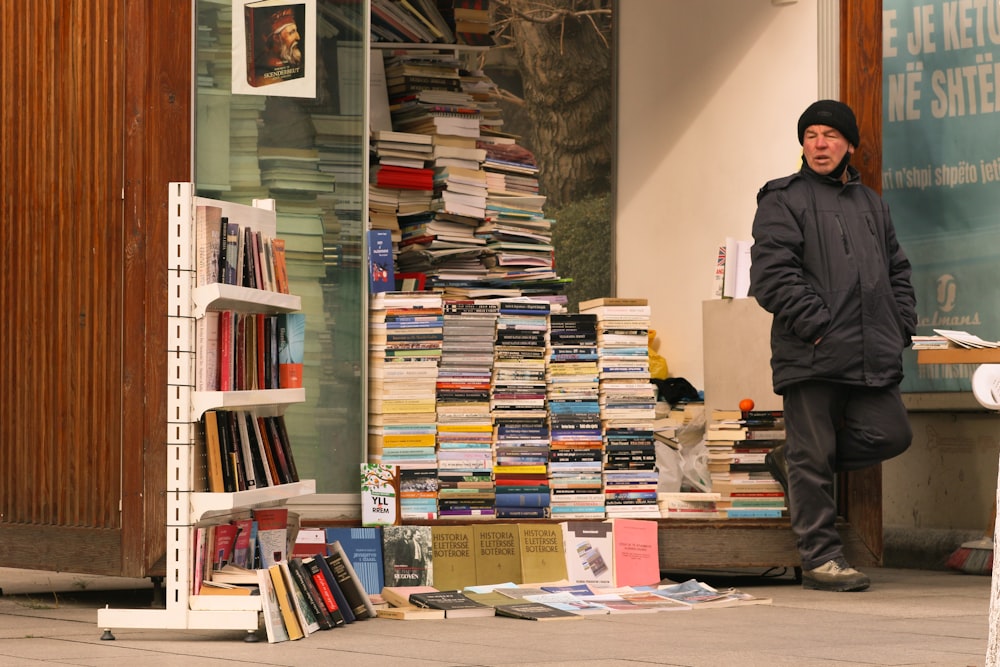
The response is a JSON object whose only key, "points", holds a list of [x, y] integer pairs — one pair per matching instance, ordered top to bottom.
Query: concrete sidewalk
{"points": [[908, 617]]}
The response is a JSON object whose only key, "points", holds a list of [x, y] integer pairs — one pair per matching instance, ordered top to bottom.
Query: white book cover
{"points": [[589, 547]]}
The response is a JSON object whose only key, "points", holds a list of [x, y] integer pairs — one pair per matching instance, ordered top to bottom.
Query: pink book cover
{"points": [[637, 557]]}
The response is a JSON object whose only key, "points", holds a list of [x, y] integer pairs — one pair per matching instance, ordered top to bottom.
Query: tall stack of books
{"points": [[469, 20], [425, 94], [486, 95], [338, 142], [295, 170], [402, 184], [383, 204], [485, 226], [519, 236], [405, 332], [518, 405], [628, 406], [464, 426], [737, 443], [577, 446]]}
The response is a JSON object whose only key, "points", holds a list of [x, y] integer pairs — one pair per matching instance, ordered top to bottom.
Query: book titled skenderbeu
{"points": [[274, 42]]}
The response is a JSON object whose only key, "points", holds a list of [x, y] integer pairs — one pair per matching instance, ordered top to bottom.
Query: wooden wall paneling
{"points": [[861, 88], [158, 89], [94, 122], [60, 183]]}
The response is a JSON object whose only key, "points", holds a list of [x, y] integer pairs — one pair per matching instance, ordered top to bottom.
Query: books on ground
{"points": [[454, 603], [535, 611]]}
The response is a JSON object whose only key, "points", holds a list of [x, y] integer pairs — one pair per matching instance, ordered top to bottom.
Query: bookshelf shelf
{"points": [[219, 296], [959, 356], [229, 400], [204, 503], [187, 504], [249, 603]]}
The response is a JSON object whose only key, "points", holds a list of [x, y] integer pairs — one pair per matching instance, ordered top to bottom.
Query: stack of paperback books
{"points": [[405, 332], [518, 404], [628, 406], [464, 426], [737, 443], [577, 448]]}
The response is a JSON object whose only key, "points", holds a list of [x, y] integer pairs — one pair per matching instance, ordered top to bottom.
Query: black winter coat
{"points": [[826, 263]]}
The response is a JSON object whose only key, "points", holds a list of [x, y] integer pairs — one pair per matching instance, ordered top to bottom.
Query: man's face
{"points": [[289, 35], [287, 44], [824, 148]]}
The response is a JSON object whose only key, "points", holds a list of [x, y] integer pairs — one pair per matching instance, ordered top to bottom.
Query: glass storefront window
{"points": [[309, 155]]}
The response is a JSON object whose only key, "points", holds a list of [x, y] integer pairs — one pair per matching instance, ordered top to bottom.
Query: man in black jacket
{"points": [[826, 264]]}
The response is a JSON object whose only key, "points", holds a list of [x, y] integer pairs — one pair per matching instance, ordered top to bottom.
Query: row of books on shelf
{"points": [[431, 21], [235, 254], [240, 351], [245, 450], [326, 578]]}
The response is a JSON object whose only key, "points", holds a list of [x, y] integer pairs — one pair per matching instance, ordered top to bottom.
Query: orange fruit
{"points": [[746, 405]]}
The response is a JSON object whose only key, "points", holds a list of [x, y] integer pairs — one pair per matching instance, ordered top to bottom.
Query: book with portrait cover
{"points": [[273, 41], [274, 48], [407, 553]]}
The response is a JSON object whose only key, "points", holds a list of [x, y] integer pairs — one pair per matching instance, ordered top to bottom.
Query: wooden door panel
{"points": [[861, 88], [83, 109]]}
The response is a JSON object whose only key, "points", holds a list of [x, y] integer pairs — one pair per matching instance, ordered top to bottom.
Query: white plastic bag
{"points": [[668, 466], [684, 468], [694, 468]]}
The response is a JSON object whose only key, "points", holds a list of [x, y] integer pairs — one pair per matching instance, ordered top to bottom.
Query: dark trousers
{"points": [[831, 428]]}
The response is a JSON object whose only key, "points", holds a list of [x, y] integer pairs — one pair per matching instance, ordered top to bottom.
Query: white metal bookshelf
{"points": [[187, 505]]}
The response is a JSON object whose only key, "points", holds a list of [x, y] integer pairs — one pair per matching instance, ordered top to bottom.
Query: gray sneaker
{"points": [[835, 575]]}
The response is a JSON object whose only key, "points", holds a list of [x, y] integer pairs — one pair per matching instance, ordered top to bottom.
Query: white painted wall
{"points": [[709, 96]]}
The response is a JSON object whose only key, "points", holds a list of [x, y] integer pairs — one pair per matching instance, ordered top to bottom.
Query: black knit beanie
{"points": [[833, 114]]}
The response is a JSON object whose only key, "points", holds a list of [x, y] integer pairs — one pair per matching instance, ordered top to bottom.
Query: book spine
{"points": [[323, 587], [352, 590], [309, 593], [338, 594]]}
